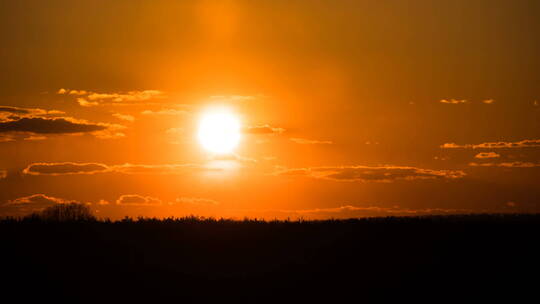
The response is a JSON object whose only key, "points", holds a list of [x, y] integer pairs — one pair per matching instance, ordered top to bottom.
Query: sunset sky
{"points": [[346, 108]]}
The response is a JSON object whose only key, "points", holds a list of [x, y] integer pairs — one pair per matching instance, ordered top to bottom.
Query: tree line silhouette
{"points": [[66, 253]]}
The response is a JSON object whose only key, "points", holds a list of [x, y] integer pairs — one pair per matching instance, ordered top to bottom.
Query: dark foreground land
{"points": [[475, 257]]}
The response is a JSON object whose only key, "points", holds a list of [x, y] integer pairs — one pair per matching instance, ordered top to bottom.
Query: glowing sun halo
{"points": [[219, 132]]}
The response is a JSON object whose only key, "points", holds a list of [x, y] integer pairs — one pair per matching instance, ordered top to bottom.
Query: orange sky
{"points": [[348, 108]]}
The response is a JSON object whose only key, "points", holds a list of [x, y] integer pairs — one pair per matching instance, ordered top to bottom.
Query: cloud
{"points": [[72, 92], [78, 92], [91, 99], [453, 101], [488, 101], [85, 103], [14, 110], [170, 112], [9, 113], [125, 117], [33, 124], [49, 126], [263, 129], [8, 137], [34, 138], [303, 141], [526, 143], [454, 146], [487, 155], [234, 157], [517, 164], [66, 168], [70, 168], [3, 174], [372, 174], [37, 199], [137, 200], [142, 200], [196, 201], [33, 203], [102, 203], [350, 211]]}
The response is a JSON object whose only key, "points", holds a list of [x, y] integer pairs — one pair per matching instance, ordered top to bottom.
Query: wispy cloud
{"points": [[77, 92], [89, 98], [453, 101], [488, 101], [9, 113], [125, 117], [36, 124], [50, 126], [263, 129], [35, 138], [304, 141], [526, 143], [487, 155], [233, 156], [516, 164], [65, 168], [71, 168], [371, 174], [38, 199], [137, 200], [143, 200], [196, 201], [32, 203], [351, 211]]}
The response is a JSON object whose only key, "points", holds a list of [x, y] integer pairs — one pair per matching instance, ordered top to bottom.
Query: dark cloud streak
{"points": [[49, 126], [372, 174]]}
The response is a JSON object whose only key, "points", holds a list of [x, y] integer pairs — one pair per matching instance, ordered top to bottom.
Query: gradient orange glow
{"points": [[272, 109]]}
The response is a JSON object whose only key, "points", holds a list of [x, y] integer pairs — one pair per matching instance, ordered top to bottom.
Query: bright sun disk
{"points": [[219, 132]]}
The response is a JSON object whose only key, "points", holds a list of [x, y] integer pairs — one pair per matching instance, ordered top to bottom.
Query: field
{"points": [[191, 259]]}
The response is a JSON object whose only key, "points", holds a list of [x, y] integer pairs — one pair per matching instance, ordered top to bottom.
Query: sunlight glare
{"points": [[219, 132]]}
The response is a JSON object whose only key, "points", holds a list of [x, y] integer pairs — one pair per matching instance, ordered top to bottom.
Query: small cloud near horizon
{"points": [[453, 101], [263, 129], [304, 141], [494, 145], [487, 155], [516, 164], [371, 174], [137, 200]]}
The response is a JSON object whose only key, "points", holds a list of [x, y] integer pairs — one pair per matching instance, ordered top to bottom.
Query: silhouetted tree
{"points": [[66, 212]]}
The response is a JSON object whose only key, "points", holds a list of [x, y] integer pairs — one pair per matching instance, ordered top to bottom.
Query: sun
{"points": [[219, 132]]}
